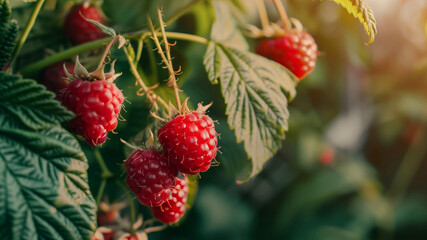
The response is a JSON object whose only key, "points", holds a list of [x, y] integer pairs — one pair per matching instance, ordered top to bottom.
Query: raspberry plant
{"points": [[45, 144]]}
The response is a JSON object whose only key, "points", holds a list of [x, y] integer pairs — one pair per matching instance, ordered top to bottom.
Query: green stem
{"points": [[183, 11], [25, 33], [187, 37], [139, 51], [153, 64], [34, 68], [409, 166], [105, 172], [406, 172], [101, 191], [131, 205]]}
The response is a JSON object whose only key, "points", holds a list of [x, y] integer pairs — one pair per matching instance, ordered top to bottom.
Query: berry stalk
{"points": [[183, 11], [283, 15], [265, 23], [25, 33], [107, 51], [131, 204]]}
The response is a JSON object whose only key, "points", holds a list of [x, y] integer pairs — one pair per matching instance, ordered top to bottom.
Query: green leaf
{"points": [[5, 13], [364, 13], [224, 28], [107, 30], [8, 32], [254, 89], [31, 102], [233, 156], [44, 193]]}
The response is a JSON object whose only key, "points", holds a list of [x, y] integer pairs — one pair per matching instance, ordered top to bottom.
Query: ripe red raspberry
{"points": [[78, 29], [297, 51], [53, 77], [96, 105], [190, 142], [150, 176], [173, 209]]}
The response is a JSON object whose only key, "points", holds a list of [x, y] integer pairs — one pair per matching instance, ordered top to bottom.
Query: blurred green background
{"points": [[352, 165]]}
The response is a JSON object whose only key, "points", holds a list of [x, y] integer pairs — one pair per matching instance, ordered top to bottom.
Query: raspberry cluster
{"points": [[297, 51], [96, 105], [189, 143]]}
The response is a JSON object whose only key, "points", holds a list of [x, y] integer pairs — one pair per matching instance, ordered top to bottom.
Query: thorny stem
{"points": [[283, 15], [25, 33], [168, 56], [164, 59], [151, 97], [131, 205]]}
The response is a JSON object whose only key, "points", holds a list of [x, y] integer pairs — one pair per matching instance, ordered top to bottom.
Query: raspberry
{"points": [[78, 29], [297, 51], [53, 77], [96, 105], [190, 142], [327, 156], [150, 176], [173, 209]]}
